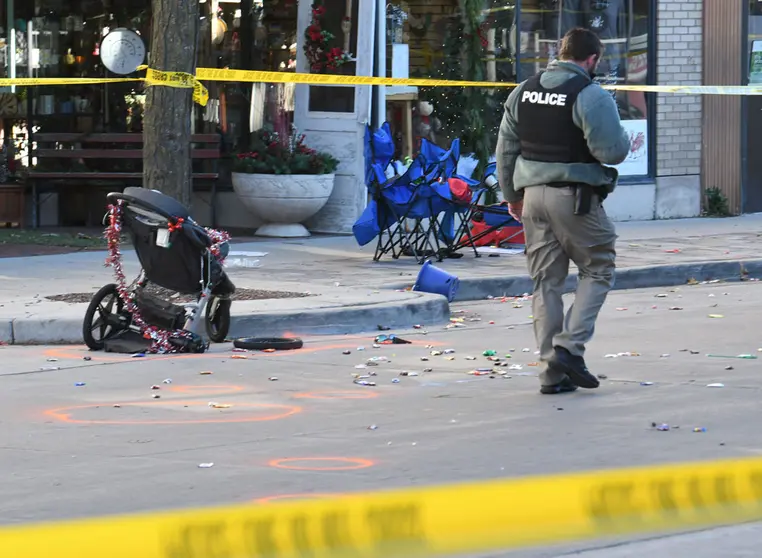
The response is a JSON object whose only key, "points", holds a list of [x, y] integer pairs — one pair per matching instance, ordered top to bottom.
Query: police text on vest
{"points": [[538, 98]]}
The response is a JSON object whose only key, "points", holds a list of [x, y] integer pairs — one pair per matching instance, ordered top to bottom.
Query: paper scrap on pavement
{"points": [[500, 251], [244, 259]]}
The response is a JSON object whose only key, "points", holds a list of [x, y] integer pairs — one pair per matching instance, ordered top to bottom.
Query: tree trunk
{"points": [[167, 121]]}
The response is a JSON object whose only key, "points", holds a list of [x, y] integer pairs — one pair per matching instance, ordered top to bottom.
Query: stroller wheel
{"points": [[105, 317], [217, 319], [268, 344]]}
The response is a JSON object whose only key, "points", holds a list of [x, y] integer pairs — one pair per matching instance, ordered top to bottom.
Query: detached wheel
{"points": [[105, 317], [217, 319], [268, 343]]}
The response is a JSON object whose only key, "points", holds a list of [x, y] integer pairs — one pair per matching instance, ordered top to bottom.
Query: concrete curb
{"points": [[626, 278], [422, 309]]}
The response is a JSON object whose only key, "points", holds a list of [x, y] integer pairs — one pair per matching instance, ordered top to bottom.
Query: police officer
{"points": [[559, 131]]}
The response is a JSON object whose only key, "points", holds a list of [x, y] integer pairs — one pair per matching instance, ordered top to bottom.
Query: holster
{"points": [[583, 197]]}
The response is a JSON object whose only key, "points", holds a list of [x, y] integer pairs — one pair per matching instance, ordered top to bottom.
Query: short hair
{"points": [[580, 44]]}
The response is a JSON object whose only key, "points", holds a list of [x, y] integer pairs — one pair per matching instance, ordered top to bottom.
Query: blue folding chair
{"points": [[393, 201]]}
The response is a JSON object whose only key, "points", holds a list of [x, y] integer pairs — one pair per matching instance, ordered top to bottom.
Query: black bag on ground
{"points": [[160, 313], [127, 342]]}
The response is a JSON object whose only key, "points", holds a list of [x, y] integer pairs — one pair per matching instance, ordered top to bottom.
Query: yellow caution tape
{"points": [[211, 74], [178, 79], [30, 82], [201, 94], [456, 519]]}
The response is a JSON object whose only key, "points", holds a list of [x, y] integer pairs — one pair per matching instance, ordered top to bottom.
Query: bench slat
{"points": [[113, 138], [112, 154], [108, 175]]}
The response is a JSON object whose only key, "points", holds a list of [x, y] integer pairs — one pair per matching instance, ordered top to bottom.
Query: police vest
{"points": [[546, 124]]}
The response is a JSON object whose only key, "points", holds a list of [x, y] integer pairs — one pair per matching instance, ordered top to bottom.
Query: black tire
{"points": [[106, 313], [217, 319], [268, 343]]}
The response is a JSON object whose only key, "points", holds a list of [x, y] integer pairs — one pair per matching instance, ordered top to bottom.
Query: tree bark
{"points": [[167, 121]]}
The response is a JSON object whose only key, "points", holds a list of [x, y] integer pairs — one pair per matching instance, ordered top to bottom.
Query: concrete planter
{"points": [[283, 201]]}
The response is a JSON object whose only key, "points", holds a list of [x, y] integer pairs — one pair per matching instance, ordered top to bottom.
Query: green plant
{"points": [[273, 153], [715, 203]]}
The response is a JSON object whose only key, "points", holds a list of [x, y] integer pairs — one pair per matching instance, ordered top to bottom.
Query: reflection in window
{"points": [[339, 18], [622, 26], [452, 51]]}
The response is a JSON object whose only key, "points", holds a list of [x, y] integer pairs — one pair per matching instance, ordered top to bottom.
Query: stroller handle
{"points": [[158, 203]]}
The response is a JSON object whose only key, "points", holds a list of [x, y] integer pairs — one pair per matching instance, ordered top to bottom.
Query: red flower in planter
{"points": [[315, 32]]}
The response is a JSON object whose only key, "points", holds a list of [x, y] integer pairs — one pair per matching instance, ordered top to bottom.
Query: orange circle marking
{"points": [[204, 390], [337, 395], [64, 414], [352, 463], [277, 497]]}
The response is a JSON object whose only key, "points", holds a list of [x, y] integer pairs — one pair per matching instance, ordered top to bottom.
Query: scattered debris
{"points": [[391, 340], [214, 405]]}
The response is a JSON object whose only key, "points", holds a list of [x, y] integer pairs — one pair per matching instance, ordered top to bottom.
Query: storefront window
{"points": [[623, 27], [439, 40], [514, 40], [755, 42], [335, 55]]}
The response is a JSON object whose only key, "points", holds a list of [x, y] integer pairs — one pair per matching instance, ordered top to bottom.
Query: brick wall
{"points": [[679, 53]]}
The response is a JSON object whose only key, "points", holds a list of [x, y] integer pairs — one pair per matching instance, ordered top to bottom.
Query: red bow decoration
{"points": [[176, 226]]}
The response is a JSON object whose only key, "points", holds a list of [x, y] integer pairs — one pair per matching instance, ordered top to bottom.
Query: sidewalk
{"points": [[351, 293]]}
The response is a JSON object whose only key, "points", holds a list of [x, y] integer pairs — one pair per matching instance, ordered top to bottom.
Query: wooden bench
{"points": [[93, 157]]}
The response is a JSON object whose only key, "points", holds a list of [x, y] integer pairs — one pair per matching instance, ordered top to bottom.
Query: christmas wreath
{"points": [[317, 45]]}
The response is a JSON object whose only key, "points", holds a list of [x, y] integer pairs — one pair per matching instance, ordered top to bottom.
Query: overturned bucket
{"points": [[433, 280]]}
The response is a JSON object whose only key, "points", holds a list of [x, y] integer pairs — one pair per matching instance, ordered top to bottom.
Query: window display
{"points": [[623, 27], [509, 43]]}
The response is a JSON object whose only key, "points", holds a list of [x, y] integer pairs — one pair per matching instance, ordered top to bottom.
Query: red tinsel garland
{"points": [[159, 338]]}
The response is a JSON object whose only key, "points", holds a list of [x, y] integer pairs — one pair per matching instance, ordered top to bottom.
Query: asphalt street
{"points": [[91, 437]]}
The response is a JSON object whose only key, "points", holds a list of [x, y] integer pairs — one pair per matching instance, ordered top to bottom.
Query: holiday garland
{"points": [[317, 45], [160, 339]]}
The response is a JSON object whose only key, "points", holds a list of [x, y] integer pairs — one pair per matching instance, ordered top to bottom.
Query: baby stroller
{"points": [[176, 254]]}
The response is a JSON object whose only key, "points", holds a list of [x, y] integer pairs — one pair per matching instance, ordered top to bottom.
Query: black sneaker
{"points": [[574, 367], [566, 386]]}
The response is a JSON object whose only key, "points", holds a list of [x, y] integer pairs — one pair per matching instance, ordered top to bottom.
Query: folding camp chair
{"points": [[402, 197], [485, 225]]}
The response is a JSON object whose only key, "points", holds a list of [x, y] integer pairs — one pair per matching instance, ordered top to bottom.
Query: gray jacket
{"points": [[595, 112]]}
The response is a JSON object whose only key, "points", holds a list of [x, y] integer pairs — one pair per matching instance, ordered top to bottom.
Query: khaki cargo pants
{"points": [[555, 236]]}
